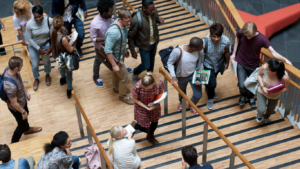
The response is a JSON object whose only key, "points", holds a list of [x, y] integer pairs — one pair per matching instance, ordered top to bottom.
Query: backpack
{"points": [[139, 18], [165, 54], [3, 94]]}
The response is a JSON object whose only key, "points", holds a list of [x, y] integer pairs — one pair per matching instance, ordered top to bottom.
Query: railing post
{"points": [[115, 10], [289, 98], [166, 99], [183, 118], [79, 121], [90, 137], [204, 151], [232, 158], [103, 163]]}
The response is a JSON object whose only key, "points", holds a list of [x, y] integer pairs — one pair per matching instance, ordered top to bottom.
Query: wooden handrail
{"points": [[132, 8], [10, 44], [92, 131], [246, 162]]}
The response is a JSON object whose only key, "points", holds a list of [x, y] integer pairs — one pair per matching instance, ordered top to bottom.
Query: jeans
{"points": [[78, 24], [1, 43], [148, 58], [35, 60], [97, 63], [65, 72], [243, 73], [120, 79], [212, 83], [197, 89], [262, 104], [23, 125], [149, 130], [75, 164]]}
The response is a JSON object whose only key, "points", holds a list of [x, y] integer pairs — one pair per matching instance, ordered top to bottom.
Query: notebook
{"points": [[73, 38], [201, 76], [275, 88], [160, 97], [129, 129]]}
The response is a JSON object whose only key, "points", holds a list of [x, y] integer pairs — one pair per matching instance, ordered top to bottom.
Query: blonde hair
{"points": [[24, 6], [124, 13], [249, 27], [148, 79], [114, 135]]}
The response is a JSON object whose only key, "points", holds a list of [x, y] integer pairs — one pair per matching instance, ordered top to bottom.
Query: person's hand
{"points": [[44, 14], [85, 15], [161, 20], [2, 25], [64, 30], [70, 36], [24, 43], [42, 51], [48, 51], [126, 54], [134, 55], [232, 57], [288, 62], [226, 65], [116, 68], [174, 80], [197, 83], [264, 89], [28, 96], [152, 107], [24, 115], [129, 135], [184, 164]]}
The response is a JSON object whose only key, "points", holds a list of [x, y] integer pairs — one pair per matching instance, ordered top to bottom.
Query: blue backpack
{"points": [[165, 54], [3, 94]]}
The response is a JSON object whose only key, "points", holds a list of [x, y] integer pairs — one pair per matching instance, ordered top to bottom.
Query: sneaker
{"points": [[79, 52], [128, 69], [135, 78], [63, 81], [98, 82], [69, 93], [215, 96], [127, 100], [242, 100], [252, 102], [210, 104], [179, 108], [193, 110], [258, 119], [266, 121]]}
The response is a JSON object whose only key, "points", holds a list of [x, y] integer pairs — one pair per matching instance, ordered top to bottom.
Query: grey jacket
{"points": [[251, 83]]}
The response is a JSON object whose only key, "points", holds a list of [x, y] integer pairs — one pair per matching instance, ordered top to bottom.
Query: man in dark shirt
{"points": [[247, 57], [189, 156]]}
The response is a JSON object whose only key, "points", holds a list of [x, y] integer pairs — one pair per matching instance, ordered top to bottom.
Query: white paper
{"points": [[80, 14], [73, 38], [233, 67], [164, 95], [129, 129]]}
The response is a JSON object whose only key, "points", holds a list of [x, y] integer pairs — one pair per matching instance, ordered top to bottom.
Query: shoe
{"points": [[79, 52], [128, 69], [134, 79], [48, 80], [63, 81], [98, 82], [36, 84], [117, 90], [69, 93], [215, 96], [127, 100], [242, 100], [252, 102], [210, 104], [179, 108], [193, 110], [258, 119], [266, 121], [33, 130], [151, 139]]}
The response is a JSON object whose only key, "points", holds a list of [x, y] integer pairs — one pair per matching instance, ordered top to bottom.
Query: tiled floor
{"points": [[286, 41]]}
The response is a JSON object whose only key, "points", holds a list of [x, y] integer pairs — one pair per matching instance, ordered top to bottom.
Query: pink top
{"points": [[98, 28], [268, 83]]}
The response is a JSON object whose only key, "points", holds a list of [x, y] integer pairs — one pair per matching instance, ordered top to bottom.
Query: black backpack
{"points": [[139, 18], [165, 54], [3, 94]]}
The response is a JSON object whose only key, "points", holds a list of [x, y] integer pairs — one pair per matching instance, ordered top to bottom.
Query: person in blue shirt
{"points": [[189, 156], [8, 163]]}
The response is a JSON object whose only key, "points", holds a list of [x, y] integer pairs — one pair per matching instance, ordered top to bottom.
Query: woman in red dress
{"points": [[147, 115]]}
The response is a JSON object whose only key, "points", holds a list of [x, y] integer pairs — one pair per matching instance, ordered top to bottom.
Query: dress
{"points": [[141, 115]]}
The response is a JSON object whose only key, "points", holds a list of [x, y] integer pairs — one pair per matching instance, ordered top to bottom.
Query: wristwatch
{"points": [[262, 87], [23, 112]]}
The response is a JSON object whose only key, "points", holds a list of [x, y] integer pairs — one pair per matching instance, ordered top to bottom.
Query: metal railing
{"points": [[224, 12], [205, 127], [91, 133]]}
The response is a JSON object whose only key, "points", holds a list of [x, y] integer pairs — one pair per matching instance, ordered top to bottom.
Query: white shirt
{"points": [[68, 12], [20, 22], [189, 62]]}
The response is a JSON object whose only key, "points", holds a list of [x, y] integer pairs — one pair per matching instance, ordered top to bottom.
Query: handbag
{"points": [[102, 56], [251, 83]]}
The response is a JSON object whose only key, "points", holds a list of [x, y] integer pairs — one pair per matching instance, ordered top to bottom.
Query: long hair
{"points": [[24, 6], [57, 23], [278, 67], [148, 79], [114, 135], [59, 139]]}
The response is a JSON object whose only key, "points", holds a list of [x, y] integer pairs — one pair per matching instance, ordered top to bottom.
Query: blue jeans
{"points": [[78, 24], [148, 58], [35, 60], [97, 63], [65, 72], [243, 73], [212, 83], [197, 89], [75, 164]]}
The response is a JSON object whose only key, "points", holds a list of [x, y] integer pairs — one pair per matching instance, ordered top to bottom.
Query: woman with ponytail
{"points": [[60, 43], [269, 75], [146, 114], [121, 149], [57, 154]]}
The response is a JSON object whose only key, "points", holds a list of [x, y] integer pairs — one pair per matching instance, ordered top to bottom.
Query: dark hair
{"points": [[146, 3], [104, 5], [37, 9], [57, 23], [216, 29], [195, 42], [14, 62], [278, 67], [59, 139], [5, 154], [190, 155]]}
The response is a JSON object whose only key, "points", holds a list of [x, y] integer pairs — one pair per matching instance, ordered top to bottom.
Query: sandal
{"points": [[127, 100]]}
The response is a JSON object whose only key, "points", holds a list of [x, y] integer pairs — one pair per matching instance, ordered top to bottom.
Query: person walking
{"points": [[2, 26], [38, 36], [145, 38], [18, 97]]}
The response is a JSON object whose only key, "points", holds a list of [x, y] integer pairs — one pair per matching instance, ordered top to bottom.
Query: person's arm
{"points": [[83, 5], [53, 8], [158, 19], [2, 24], [20, 32], [131, 34], [94, 35], [30, 38], [110, 40], [236, 42], [67, 46], [174, 56], [227, 56], [278, 56], [259, 78], [286, 82], [137, 101], [16, 105]]}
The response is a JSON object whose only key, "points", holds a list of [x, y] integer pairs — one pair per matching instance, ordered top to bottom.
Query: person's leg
{"points": [[78, 24], [2, 50], [152, 54], [46, 60], [35, 61], [145, 62], [96, 67], [249, 71], [242, 76], [69, 79], [123, 79], [115, 80], [212, 83], [182, 84], [197, 91], [261, 106], [271, 107], [23, 125], [153, 127], [142, 129], [31, 161], [75, 164]]}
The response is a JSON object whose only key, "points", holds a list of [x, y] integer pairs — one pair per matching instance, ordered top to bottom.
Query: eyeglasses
{"points": [[126, 21]]}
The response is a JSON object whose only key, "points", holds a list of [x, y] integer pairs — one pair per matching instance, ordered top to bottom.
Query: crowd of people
{"points": [[45, 35]]}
